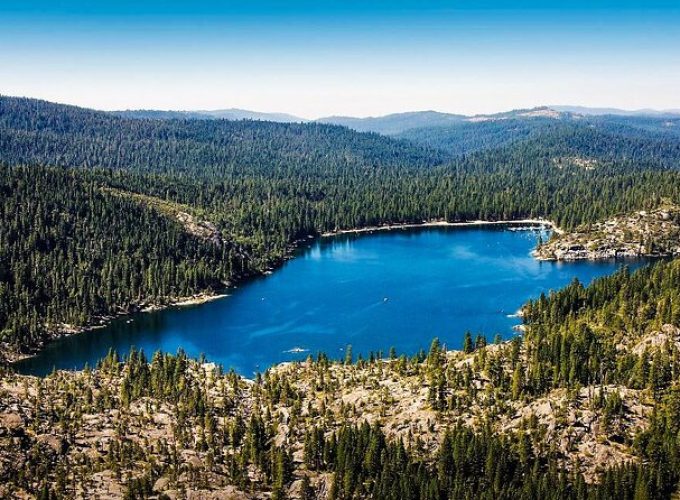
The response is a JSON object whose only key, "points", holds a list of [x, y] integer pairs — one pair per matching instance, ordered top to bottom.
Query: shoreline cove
{"points": [[64, 330]]}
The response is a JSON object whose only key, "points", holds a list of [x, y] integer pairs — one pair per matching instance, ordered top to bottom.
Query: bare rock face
{"points": [[203, 229], [653, 233], [669, 334], [10, 423], [580, 431], [56, 443], [161, 484], [322, 485], [228, 493]]}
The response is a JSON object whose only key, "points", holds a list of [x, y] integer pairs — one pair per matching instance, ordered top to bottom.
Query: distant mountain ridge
{"points": [[584, 110], [219, 114], [396, 122], [400, 123], [391, 124], [426, 138]]}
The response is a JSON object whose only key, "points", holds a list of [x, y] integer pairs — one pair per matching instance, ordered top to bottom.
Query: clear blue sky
{"points": [[315, 58]]}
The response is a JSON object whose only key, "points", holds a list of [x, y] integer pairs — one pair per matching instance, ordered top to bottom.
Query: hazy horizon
{"points": [[324, 58], [398, 112]]}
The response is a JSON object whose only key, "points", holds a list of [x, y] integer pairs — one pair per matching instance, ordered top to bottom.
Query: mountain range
{"points": [[219, 114], [398, 123], [421, 138]]}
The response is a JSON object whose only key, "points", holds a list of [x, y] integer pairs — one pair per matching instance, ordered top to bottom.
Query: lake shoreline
{"points": [[443, 223], [64, 330]]}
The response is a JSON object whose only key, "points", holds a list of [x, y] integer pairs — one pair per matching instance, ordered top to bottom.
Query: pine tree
{"points": [[467, 343]]}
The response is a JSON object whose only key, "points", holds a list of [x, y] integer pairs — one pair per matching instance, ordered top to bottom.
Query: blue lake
{"points": [[396, 288]]}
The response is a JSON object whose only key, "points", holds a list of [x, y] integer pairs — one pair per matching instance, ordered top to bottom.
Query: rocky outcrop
{"points": [[202, 229], [654, 233], [668, 335], [78, 419]]}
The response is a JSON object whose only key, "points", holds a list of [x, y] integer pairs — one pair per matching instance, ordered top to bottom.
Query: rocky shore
{"points": [[643, 234]]}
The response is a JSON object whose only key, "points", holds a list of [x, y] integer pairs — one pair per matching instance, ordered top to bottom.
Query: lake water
{"points": [[396, 288]]}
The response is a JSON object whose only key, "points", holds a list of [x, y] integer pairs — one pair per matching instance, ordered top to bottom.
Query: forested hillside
{"points": [[36, 132], [468, 137], [647, 142], [95, 207], [70, 252]]}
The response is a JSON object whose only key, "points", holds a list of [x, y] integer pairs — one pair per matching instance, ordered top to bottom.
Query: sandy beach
{"points": [[442, 223], [186, 301]]}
